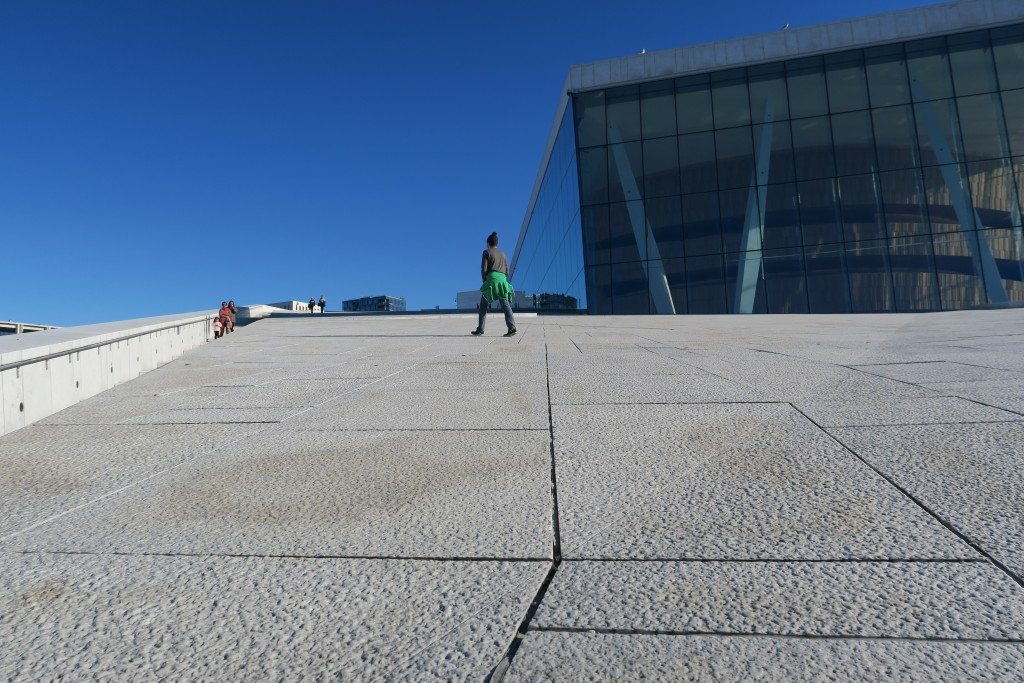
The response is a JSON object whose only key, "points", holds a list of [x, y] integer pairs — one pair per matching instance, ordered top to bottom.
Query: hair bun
{"points": [[494, 234]]}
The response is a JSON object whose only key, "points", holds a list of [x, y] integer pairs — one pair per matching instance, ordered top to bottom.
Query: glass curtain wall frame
{"points": [[883, 179]]}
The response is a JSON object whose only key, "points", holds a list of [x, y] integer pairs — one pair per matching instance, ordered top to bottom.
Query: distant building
{"points": [[368, 304], [300, 306], [12, 327]]}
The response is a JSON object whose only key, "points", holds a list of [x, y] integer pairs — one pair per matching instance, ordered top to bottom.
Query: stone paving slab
{"points": [[943, 371], [693, 386], [285, 393], [419, 406], [113, 407], [899, 410], [238, 416], [46, 470], [970, 474], [741, 481], [285, 492], [972, 600], [150, 618], [554, 656]]}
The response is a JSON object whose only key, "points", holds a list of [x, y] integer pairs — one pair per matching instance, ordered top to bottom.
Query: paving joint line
{"points": [[941, 520], [285, 556], [783, 560], [754, 634], [497, 674]]}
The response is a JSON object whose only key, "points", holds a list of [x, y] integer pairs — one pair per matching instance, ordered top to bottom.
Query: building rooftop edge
{"points": [[899, 25]]}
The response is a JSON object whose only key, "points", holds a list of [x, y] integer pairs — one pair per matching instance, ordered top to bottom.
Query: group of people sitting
{"points": [[225, 320]]}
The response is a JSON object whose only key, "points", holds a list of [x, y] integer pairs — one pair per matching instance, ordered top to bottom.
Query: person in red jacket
{"points": [[225, 317]]}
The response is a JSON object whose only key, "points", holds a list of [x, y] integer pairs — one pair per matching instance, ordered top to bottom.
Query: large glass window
{"points": [[887, 75], [847, 83], [807, 93], [693, 104], [658, 109], [812, 148], [698, 163], [661, 167], [882, 179]]}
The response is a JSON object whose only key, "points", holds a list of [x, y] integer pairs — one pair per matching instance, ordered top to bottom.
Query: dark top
{"points": [[493, 261]]}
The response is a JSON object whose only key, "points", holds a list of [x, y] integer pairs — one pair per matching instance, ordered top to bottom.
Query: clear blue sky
{"points": [[160, 156]]}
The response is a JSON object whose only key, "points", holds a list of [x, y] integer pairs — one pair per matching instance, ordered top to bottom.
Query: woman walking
{"points": [[494, 272]]}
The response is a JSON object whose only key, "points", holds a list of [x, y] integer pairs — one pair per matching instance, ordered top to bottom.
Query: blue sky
{"points": [[160, 156]]}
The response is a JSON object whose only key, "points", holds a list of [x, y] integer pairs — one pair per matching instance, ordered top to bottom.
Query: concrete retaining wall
{"points": [[44, 372]]}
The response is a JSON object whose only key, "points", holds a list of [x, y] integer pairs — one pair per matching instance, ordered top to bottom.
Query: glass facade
{"points": [[878, 179], [548, 264]]}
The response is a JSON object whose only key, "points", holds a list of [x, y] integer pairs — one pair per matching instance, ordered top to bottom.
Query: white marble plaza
{"points": [[598, 498]]}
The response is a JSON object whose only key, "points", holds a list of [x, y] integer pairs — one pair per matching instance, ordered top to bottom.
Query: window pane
{"points": [[1008, 50], [971, 60], [928, 65], [887, 76], [806, 83], [847, 84], [729, 96], [768, 99], [693, 104], [1013, 107], [588, 109], [658, 109], [623, 112], [981, 120], [938, 132], [895, 137], [775, 139], [854, 143], [812, 148], [735, 152], [697, 162], [661, 167], [624, 168], [594, 175], [945, 190], [994, 193], [903, 198], [861, 201], [735, 206], [819, 211], [665, 217], [781, 218], [627, 231], [701, 233], [596, 244], [1007, 248], [742, 270], [675, 273], [913, 274], [870, 279], [784, 280], [960, 285], [629, 289], [599, 290], [827, 290], [705, 292]]}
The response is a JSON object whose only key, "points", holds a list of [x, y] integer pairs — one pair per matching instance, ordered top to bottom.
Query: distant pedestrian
{"points": [[496, 287], [312, 304], [323, 305], [233, 313], [218, 328]]}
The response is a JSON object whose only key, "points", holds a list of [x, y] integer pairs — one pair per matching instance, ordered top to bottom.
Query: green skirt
{"points": [[496, 286]]}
